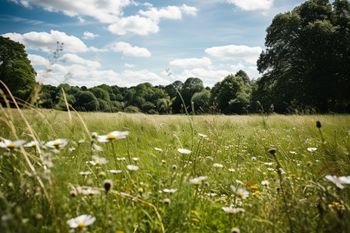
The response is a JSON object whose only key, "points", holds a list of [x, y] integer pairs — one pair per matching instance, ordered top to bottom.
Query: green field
{"points": [[242, 186]]}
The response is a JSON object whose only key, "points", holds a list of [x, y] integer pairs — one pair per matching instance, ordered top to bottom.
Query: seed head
{"points": [[318, 124], [272, 151], [107, 184], [235, 230]]}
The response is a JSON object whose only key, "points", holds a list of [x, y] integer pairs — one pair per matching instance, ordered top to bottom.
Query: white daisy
{"points": [[114, 135], [57, 143], [11, 144], [158, 149], [311, 149], [184, 151], [97, 161], [218, 165], [132, 167], [113, 171], [197, 180], [339, 180], [169, 190], [232, 210], [81, 221]]}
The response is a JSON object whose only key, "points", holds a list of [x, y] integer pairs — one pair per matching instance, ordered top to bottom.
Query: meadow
{"points": [[173, 173]]}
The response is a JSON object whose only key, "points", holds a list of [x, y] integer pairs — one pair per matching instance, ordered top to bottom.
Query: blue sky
{"points": [[126, 42]]}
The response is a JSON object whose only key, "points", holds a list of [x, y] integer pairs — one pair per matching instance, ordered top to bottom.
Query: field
{"points": [[189, 173]]}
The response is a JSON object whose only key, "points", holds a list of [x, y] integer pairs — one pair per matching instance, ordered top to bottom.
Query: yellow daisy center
{"points": [[111, 137], [11, 146], [81, 225]]}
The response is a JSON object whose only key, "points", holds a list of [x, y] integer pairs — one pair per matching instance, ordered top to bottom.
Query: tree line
{"points": [[304, 68]]}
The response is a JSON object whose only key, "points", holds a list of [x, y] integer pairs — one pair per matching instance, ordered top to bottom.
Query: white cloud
{"points": [[252, 5], [105, 11], [147, 22], [134, 24], [89, 35], [47, 41], [129, 50], [235, 52], [73, 58], [37, 60], [190, 62], [129, 66], [209, 75]]}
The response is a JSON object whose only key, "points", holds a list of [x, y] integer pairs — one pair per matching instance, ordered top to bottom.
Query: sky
{"points": [[127, 42]]}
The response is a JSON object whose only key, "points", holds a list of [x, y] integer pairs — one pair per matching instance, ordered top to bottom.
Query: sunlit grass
{"points": [[175, 173]]}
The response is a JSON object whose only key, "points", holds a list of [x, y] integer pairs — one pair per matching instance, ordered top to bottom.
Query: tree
{"points": [[305, 61], [15, 69], [232, 95], [86, 101], [201, 101]]}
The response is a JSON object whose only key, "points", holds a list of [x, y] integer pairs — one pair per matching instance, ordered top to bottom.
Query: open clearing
{"points": [[175, 173]]}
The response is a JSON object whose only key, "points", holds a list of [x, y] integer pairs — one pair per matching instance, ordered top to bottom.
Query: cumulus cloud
{"points": [[252, 5], [106, 11], [134, 24], [89, 35], [47, 42], [129, 50], [235, 52], [73, 58], [37, 60], [190, 62]]}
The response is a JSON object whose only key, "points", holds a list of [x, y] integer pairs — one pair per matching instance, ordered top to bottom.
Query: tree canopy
{"points": [[15, 69]]}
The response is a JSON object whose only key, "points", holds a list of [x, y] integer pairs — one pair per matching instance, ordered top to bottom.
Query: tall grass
{"points": [[283, 192]]}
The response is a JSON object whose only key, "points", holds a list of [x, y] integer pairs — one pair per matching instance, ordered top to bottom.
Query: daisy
{"points": [[114, 135], [202, 135], [57, 143], [11, 144], [32, 144], [158, 149], [311, 149], [184, 151], [97, 161], [218, 165], [132, 167], [113, 171], [85, 173], [198, 180], [339, 180], [265, 183], [169, 190], [88, 191], [240, 192], [232, 210], [81, 221]]}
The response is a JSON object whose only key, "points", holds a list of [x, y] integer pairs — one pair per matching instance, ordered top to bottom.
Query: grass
{"points": [[285, 192]]}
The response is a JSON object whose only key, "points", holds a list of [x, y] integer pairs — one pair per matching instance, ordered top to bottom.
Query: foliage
{"points": [[305, 64], [15, 69]]}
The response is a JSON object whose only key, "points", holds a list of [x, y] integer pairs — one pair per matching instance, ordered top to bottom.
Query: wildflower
{"points": [[94, 135], [114, 135], [202, 135], [57, 143], [11, 144], [32, 144], [158, 149], [311, 149], [184, 151], [292, 152], [121, 158], [135, 158], [253, 158], [97, 161], [268, 164], [218, 165], [132, 167], [174, 167], [231, 170], [113, 171], [85, 173], [198, 180], [339, 180], [265, 183], [107, 184], [169, 190], [88, 191], [240, 192], [232, 210], [81, 221], [235, 230]]}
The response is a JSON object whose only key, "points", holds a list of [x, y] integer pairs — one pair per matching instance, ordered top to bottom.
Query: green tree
{"points": [[15, 69], [86, 101], [201, 101]]}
